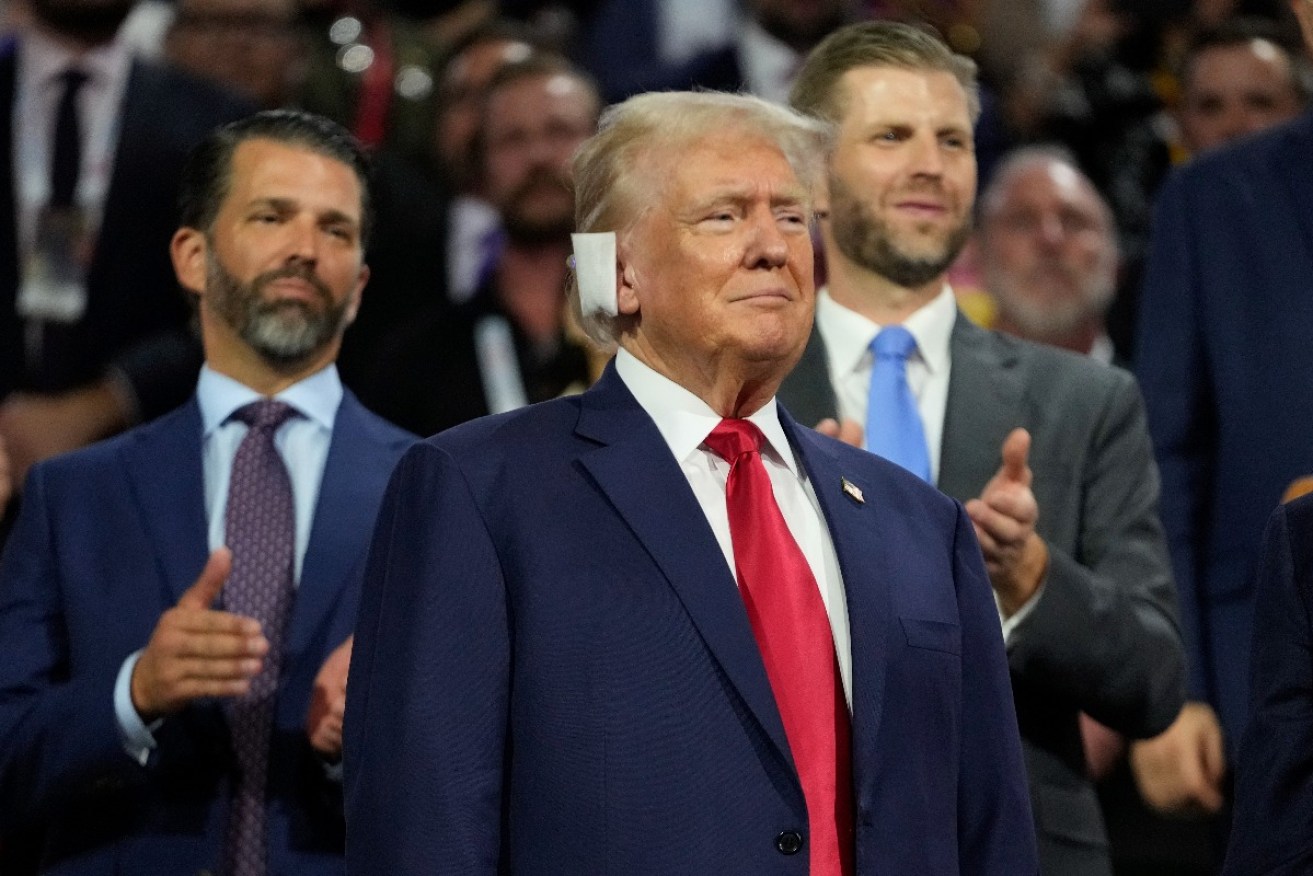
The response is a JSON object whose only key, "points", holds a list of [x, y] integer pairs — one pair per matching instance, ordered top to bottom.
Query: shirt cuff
{"points": [[1010, 623], [137, 737], [332, 771]]}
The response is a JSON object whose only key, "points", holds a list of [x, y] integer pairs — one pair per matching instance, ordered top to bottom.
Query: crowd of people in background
{"points": [[1139, 195]]}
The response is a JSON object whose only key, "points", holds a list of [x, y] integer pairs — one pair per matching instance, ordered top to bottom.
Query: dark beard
{"points": [[536, 231], [868, 241], [286, 334]]}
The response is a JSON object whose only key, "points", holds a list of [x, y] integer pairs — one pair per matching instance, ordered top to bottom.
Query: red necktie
{"points": [[793, 632]]}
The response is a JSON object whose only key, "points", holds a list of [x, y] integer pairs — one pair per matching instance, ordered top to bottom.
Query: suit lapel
{"points": [[131, 159], [1290, 165], [806, 390], [984, 397], [163, 465], [640, 477], [349, 495], [867, 562]]}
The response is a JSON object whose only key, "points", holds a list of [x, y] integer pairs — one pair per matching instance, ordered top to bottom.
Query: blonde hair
{"points": [[876, 44], [614, 178]]}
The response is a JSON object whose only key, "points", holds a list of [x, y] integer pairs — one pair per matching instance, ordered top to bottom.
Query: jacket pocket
{"points": [[932, 635]]}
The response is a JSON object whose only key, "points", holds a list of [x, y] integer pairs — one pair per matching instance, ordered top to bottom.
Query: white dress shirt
{"points": [[40, 63], [471, 221], [848, 336], [684, 421], [302, 442]]}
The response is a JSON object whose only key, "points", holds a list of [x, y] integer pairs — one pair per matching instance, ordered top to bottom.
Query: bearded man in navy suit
{"points": [[588, 626], [131, 677]]}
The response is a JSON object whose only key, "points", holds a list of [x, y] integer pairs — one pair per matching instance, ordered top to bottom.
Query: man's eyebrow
{"points": [[738, 194], [276, 203], [332, 215], [338, 217]]}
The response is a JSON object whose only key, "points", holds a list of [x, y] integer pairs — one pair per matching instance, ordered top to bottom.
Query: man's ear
{"points": [[188, 250], [626, 288]]}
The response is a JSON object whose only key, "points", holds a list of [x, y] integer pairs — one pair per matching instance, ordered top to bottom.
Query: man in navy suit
{"points": [[1226, 367], [125, 662], [555, 672], [1273, 828]]}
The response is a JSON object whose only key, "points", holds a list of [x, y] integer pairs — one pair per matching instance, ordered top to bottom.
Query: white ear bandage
{"points": [[594, 271]]}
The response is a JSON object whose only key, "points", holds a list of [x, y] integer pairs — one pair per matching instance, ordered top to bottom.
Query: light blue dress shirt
{"points": [[303, 444]]}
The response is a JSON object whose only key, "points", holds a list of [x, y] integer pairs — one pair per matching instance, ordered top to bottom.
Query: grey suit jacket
{"points": [[1103, 637]]}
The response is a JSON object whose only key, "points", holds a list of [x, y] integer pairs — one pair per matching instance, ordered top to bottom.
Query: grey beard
{"points": [[867, 241], [285, 334]]}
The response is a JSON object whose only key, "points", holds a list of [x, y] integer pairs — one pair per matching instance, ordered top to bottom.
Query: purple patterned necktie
{"points": [[260, 528]]}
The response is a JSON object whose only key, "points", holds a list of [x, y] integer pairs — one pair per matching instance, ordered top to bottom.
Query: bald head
{"points": [[1048, 248]]}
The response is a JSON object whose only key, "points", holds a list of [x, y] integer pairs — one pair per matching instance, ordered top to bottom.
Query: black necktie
{"points": [[66, 158]]}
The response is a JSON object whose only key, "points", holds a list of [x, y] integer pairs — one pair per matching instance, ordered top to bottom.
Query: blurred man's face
{"points": [[250, 46], [463, 87], [1235, 90], [533, 125], [902, 177], [1048, 250], [283, 264], [719, 268]]}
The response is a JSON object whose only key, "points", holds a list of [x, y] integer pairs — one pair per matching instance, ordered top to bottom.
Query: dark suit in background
{"points": [[136, 318], [1226, 364], [430, 375], [109, 538], [1102, 637], [1273, 828]]}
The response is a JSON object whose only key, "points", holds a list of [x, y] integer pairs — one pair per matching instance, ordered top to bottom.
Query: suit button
{"points": [[789, 842]]}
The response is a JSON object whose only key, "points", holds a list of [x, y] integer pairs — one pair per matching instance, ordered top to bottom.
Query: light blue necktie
{"points": [[893, 424]]}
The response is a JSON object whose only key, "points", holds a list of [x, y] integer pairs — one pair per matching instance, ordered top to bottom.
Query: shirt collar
{"points": [[42, 60], [848, 334], [1102, 350], [317, 397], [684, 420]]}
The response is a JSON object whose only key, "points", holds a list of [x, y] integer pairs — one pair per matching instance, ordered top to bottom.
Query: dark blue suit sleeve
{"points": [[1174, 378], [428, 700], [59, 738], [1273, 828], [996, 834]]}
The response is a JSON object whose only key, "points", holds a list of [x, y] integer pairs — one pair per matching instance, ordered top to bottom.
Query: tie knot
{"points": [[73, 79], [894, 342], [265, 414], [732, 438]]}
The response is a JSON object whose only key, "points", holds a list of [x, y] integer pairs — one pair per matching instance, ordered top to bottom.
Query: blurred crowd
{"points": [[472, 110]]}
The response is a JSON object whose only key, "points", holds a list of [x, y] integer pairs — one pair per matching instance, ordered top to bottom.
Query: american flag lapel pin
{"points": [[853, 491]]}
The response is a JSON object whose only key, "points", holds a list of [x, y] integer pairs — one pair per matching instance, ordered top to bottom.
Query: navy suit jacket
{"points": [[1226, 366], [108, 538], [554, 672], [1272, 832]]}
